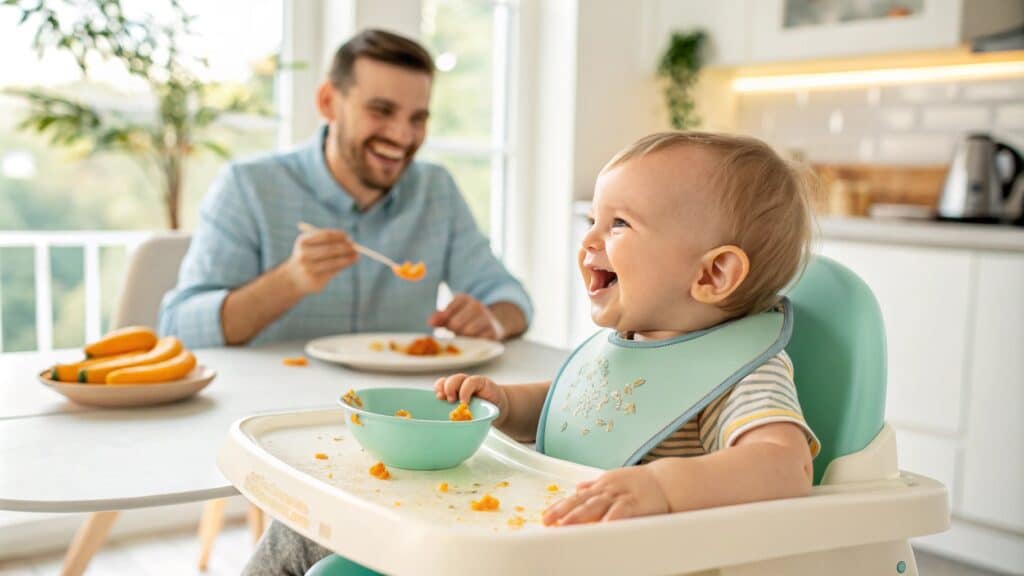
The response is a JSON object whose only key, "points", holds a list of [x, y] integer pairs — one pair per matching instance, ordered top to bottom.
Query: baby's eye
{"points": [[619, 222]]}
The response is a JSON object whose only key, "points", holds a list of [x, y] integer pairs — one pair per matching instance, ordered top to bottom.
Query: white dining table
{"points": [[62, 457]]}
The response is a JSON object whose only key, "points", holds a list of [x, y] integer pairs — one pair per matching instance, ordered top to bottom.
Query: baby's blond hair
{"points": [[764, 199]]}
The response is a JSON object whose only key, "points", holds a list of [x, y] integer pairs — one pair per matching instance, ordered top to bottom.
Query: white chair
{"points": [[152, 271]]}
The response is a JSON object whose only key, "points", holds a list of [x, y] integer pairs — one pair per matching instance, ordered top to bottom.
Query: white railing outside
{"points": [[91, 242]]}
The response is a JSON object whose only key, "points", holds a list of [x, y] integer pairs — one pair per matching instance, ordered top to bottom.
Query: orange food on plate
{"points": [[128, 339], [377, 346], [423, 347], [166, 348], [295, 361], [174, 368], [69, 372], [352, 399], [403, 413], [461, 413], [355, 419], [320, 456], [379, 471], [503, 484], [442, 487], [553, 488], [486, 504]]}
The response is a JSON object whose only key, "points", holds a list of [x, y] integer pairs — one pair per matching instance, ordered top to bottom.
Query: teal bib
{"points": [[614, 399]]}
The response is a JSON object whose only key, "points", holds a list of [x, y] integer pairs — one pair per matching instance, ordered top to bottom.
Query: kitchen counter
{"points": [[923, 233]]}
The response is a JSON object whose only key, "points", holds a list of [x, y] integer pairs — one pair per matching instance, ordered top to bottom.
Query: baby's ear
{"points": [[722, 270]]}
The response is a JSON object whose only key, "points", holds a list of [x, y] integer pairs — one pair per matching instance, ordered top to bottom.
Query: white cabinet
{"points": [[744, 32], [778, 34], [923, 294], [993, 475]]}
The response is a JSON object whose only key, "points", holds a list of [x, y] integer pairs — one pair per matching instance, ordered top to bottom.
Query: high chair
{"points": [[857, 520]]}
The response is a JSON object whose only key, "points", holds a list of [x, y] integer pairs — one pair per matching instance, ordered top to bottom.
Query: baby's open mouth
{"points": [[601, 279]]}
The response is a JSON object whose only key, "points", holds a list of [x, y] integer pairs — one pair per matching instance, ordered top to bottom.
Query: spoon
{"points": [[406, 270]]}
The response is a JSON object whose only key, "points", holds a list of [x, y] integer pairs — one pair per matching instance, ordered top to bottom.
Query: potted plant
{"points": [[679, 66], [185, 106]]}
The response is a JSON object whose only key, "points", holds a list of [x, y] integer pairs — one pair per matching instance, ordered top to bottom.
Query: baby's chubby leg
{"points": [[283, 552]]}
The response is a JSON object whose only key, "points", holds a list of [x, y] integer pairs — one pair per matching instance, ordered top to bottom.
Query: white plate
{"points": [[355, 351], [125, 395]]}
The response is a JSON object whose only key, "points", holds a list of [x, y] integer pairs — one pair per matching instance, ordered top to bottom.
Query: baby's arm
{"points": [[520, 404], [768, 462]]}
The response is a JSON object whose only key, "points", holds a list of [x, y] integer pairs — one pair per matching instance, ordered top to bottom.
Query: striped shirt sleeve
{"points": [[764, 396]]}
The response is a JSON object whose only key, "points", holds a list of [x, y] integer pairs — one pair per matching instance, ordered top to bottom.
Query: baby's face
{"points": [[653, 219]]}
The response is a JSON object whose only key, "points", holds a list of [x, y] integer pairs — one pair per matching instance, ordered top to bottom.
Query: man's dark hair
{"points": [[381, 46]]}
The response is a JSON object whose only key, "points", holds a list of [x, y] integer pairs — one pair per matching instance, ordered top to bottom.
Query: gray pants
{"points": [[283, 552]]}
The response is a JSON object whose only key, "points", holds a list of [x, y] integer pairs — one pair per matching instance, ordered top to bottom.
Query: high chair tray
{"points": [[306, 470]]}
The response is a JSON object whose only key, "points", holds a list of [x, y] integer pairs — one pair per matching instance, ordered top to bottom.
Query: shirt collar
{"points": [[328, 190]]}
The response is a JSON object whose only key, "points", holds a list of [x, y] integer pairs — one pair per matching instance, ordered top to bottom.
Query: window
{"points": [[470, 109], [49, 188]]}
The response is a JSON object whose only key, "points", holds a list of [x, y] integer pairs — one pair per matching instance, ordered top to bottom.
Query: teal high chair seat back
{"points": [[838, 353]]}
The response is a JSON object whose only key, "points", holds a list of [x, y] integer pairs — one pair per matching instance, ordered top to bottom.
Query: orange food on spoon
{"points": [[409, 271], [403, 413], [461, 413]]}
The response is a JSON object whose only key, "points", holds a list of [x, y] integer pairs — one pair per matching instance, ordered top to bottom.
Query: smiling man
{"points": [[251, 277]]}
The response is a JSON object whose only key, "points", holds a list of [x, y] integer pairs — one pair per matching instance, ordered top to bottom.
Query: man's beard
{"points": [[355, 155]]}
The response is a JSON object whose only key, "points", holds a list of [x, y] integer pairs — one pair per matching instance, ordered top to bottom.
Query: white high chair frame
{"points": [[857, 521]]}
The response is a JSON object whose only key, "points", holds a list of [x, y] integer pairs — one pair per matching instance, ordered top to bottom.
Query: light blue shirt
{"points": [[248, 223]]}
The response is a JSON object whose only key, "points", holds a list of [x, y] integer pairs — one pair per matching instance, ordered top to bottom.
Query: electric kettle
{"points": [[984, 182]]}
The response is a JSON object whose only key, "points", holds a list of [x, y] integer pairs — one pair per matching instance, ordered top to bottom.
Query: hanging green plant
{"points": [[679, 67]]}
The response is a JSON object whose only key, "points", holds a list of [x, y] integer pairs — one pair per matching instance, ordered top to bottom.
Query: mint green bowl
{"points": [[428, 440]]}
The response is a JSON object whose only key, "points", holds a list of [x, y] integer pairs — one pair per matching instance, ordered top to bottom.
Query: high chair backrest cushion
{"points": [[838, 353]]}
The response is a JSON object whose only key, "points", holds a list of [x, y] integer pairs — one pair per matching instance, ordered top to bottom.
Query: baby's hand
{"points": [[460, 387], [620, 493]]}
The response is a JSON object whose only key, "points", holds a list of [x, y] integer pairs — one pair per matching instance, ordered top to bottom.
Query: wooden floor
{"points": [[175, 554]]}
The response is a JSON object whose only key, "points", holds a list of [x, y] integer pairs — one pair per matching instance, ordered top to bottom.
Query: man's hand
{"points": [[317, 256], [467, 316], [619, 493]]}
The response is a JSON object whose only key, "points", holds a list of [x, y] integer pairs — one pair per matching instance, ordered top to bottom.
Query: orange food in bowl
{"points": [[352, 399], [461, 414]]}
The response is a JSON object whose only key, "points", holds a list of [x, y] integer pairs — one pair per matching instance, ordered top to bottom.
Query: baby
{"points": [[688, 400]]}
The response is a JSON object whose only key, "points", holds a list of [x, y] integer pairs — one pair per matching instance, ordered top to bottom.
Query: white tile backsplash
{"points": [[897, 118], [955, 118], [1010, 118], [912, 124], [919, 149]]}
